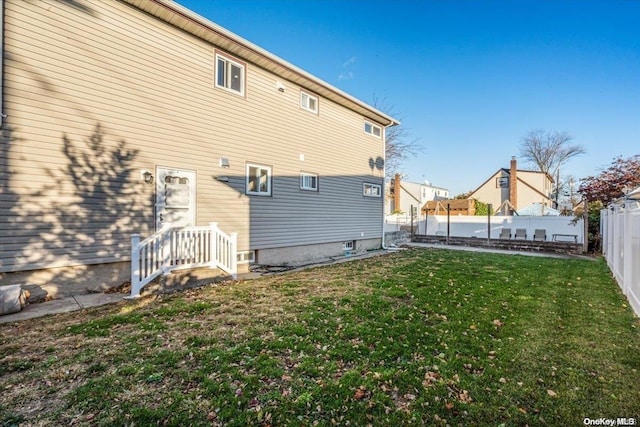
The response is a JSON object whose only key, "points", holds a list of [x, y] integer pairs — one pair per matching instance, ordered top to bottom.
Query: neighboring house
{"points": [[124, 115], [508, 190], [404, 194]]}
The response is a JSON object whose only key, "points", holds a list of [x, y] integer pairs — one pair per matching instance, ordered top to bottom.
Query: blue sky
{"points": [[469, 78]]}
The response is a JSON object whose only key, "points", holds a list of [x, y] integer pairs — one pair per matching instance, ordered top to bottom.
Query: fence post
{"points": [[489, 207], [448, 221], [412, 223], [234, 254], [627, 260], [213, 262], [135, 265]]}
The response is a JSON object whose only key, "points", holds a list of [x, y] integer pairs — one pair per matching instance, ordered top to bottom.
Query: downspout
{"points": [[2, 114], [384, 177], [384, 182]]}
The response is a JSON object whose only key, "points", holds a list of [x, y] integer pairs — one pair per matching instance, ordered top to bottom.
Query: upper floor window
{"points": [[230, 74], [309, 102], [372, 129], [258, 180], [309, 181], [371, 190]]}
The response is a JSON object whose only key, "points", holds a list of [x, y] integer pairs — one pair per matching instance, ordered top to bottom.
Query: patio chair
{"points": [[505, 233], [521, 234], [540, 234]]}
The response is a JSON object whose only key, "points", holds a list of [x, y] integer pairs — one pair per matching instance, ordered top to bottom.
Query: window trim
{"points": [[230, 60], [309, 96], [373, 126], [269, 170], [309, 174], [372, 186], [348, 245], [246, 257]]}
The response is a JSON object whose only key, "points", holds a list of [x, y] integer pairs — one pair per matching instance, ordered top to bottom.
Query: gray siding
{"points": [[96, 93], [337, 212]]}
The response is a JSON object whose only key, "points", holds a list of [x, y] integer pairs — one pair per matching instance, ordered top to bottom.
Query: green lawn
{"points": [[418, 337]]}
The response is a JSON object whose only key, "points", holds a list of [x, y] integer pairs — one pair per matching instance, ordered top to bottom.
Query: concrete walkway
{"points": [[496, 251], [62, 305]]}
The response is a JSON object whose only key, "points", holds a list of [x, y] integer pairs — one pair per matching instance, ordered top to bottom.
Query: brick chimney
{"points": [[513, 183], [396, 192]]}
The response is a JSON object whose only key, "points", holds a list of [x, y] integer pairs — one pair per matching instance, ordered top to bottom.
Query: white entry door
{"points": [[175, 197]]}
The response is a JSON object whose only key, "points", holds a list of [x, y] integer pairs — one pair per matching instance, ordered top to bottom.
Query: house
{"points": [[122, 116], [508, 190], [404, 194]]}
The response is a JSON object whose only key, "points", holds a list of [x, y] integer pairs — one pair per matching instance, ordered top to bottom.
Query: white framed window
{"points": [[230, 74], [309, 102], [372, 129], [258, 180], [308, 181], [371, 190], [348, 245], [246, 257]]}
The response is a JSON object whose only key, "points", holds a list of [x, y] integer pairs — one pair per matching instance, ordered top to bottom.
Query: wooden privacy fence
{"points": [[620, 230], [175, 248]]}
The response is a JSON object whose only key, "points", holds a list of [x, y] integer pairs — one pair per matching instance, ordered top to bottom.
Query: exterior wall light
{"points": [[224, 162], [147, 177]]}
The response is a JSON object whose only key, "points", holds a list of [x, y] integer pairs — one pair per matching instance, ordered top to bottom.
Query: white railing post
{"points": [[166, 247], [234, 254], [213, 262], [135, 265]]}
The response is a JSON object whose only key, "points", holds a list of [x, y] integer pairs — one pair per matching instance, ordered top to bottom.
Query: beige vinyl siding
{"points": [[149, 88]]}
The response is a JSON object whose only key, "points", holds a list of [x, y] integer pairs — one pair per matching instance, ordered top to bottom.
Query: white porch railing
{"points": [[620, 230], [176, 248]]}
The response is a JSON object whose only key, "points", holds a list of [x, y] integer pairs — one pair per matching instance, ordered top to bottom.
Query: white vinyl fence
{"points": [[557, 228], [620, 229]]}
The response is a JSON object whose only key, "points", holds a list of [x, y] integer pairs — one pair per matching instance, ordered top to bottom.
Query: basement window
{"points": [[246, 257]]}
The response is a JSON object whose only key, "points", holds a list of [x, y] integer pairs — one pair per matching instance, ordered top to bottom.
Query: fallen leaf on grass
{"points": [[430, 378], [360, 393], [552, 393], [464, 397]]}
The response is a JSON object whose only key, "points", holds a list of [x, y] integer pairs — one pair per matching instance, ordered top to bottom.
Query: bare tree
{"points": [[400, 144], [549, 150]]}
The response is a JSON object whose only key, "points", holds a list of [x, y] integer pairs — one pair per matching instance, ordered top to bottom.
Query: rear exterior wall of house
{"points": [[95, 93]]}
